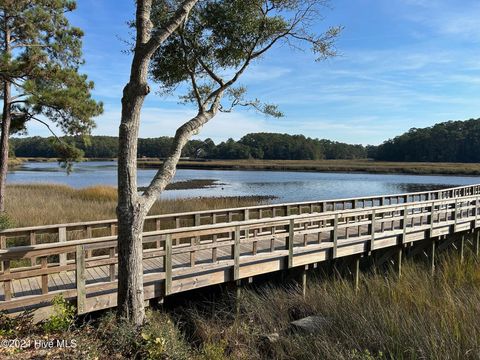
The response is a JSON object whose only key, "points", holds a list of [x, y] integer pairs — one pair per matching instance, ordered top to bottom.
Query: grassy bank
{"points": [[12, 163], [361, 165], [366, 166], [41, 204], [416, 316]]}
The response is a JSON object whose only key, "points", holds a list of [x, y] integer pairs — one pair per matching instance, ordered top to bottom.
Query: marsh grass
{"points": [[360, 165], [42, 204], [414, 317]]}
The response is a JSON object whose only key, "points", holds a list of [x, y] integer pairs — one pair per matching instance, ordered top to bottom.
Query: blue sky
{"points": [[403, 64]]}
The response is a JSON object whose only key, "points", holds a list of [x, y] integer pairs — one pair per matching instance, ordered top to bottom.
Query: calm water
{"points": [[286, 186]]}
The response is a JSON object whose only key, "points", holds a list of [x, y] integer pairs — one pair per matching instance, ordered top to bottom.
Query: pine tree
{"points": [[40, 56]]}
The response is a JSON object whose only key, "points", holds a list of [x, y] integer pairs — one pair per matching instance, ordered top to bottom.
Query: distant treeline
{"points": [[452, 141], [256, 146]]}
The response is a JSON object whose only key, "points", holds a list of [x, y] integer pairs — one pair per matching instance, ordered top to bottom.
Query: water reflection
{"points": [[286, 186]]}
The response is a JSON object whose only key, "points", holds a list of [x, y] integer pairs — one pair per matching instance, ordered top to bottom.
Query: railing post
{"points": [[476, 211], [246, 214], [455, 216], [431, 219], [404, 223], [372, 231], [89, 236], [335, 236], [62, 237], [290, 239], [33, 241], [3, 246], [236, 253], [111, 254], [168, 264], [44, 266], [80, 278], [7, 284]]}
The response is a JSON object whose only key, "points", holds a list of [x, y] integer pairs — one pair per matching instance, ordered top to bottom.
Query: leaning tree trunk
{"points": [[6, 120], [132, 207]]}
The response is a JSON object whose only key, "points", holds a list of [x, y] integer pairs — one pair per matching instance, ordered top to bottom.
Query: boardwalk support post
{"points": [[477, 242], [462, 248], [432, 256], [399, 260], [356, 274], [80, 278], [304, 281], [238, 295]]}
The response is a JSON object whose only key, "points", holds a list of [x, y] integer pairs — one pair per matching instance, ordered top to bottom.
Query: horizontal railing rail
{"points": [[85, 230], [184, 258]]}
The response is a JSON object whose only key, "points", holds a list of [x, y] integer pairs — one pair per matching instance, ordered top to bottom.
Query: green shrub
{"points": [[5, 221], [63, 316], [17, 326], [119, 337], [162, 339], [215, 351]]}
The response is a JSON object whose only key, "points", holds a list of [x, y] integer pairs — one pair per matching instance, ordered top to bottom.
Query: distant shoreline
{"points": [[340, 166]]}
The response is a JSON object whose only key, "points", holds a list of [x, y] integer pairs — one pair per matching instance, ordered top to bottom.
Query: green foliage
{"points": [[220, 39], [40, 59], [451, 141], [257, 146], [6, 221], [63, 316], [17, 326], [119, 336], [162, 339], [214, 351]]}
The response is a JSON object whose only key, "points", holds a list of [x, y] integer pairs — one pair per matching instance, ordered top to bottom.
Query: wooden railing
{"points": [[92, 229], [189, 257]]}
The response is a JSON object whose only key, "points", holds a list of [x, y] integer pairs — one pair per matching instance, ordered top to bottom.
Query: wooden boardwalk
{"points": [[197, 249]]}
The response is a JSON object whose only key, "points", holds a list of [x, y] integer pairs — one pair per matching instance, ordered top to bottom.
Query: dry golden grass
{"points": [[41, 204], [415, 317]]}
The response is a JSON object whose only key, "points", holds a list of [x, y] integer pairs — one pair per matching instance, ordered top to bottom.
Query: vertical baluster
{"points": [[372, 230], [89, 236], [305, 236], [334, 236], [62, 237], [214, 240], [290, 241], [3, 246], [168, 264], [44, 266], [80, 278], [7, 284]]}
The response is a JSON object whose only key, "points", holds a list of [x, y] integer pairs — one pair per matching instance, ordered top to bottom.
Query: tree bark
{"points": [[6, 122], [4, 137], [131, 209]]}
